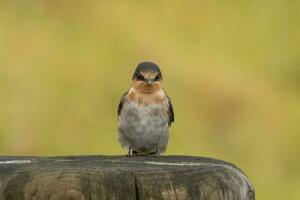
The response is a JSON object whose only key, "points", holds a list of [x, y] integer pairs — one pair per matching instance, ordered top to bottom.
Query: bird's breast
{"points": [[156, 98], [144, 110], [144, 113], [140, 115]]}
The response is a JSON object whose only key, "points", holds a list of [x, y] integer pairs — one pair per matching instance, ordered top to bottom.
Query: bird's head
{"points": [[147, 78]]}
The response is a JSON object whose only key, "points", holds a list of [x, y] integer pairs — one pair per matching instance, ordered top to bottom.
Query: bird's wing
{"points": [[121, 103], [170, 111]]}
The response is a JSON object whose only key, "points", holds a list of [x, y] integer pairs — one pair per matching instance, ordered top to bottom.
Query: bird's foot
{"points": [[131, 152], [154, 154]]}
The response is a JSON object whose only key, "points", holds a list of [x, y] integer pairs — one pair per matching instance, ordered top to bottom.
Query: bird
{"points": [[145, 113]]}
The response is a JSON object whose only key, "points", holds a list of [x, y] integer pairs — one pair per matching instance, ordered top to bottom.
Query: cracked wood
{"points": [[122, 177]]}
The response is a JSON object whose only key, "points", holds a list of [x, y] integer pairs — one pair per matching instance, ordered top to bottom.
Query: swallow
{"points": [[145, 113]]}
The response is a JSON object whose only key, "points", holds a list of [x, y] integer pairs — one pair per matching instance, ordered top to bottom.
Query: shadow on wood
{"points": [[121, 177]]}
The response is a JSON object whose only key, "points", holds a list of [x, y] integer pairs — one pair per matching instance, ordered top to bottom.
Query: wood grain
{"points": [[121, 177]]}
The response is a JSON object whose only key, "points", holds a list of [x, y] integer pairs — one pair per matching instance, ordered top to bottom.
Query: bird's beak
{"points": [[149, 81]]}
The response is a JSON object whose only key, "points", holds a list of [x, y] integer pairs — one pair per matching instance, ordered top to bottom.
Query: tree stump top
{"points": [[122, 177]]}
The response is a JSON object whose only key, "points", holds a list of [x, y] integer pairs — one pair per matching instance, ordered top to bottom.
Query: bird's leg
{"points": [[130, 152], [135, 153], [155, 153]]}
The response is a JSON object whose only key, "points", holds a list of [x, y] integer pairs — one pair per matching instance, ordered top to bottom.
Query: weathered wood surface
{"points": [[121, 177]]}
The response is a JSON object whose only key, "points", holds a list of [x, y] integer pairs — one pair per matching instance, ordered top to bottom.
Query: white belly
{"points": [[144, 127]]}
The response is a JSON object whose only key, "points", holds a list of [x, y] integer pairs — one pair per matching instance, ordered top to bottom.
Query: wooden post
{"points": [[121, 177]]}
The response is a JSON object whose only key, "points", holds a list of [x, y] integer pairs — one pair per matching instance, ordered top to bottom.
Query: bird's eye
{"points": [[140, 77], [157, 78]]}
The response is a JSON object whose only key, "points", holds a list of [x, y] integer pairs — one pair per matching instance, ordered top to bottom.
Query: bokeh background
{"points": [[231, 68]]}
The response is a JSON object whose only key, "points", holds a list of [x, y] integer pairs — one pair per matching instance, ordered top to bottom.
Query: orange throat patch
{"points": [[135, 95]]}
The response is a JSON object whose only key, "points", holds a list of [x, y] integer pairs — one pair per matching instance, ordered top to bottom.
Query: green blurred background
{"points": [[231, 68]]}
